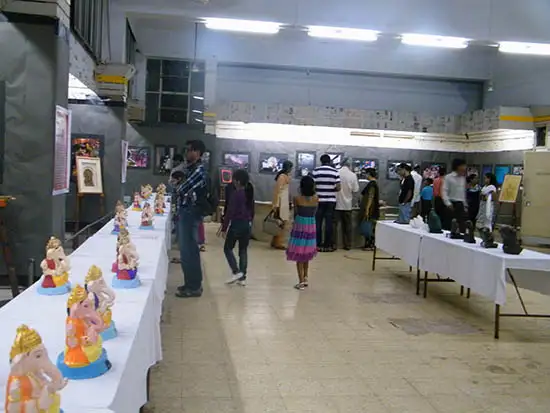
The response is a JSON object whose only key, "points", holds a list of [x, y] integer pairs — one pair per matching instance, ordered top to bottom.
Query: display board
{"points": [[86, 146], [139, 157], [238, 160], [271, 163], [305, 163], [360, 166], [89, 177], [510, 189]]}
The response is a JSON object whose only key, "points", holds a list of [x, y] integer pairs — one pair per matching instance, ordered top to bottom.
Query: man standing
{"points": [[327, 184], [191, 188], [417, 188], [406, 194], [454, 194], [344, 200]]}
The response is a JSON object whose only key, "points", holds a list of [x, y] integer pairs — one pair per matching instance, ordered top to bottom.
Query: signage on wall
{"points": [[62, 147]]}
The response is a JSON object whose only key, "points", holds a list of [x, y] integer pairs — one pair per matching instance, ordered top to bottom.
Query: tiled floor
{"points": [[356, 341]]}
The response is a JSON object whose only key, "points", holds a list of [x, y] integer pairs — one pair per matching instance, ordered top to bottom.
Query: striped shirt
{"points": [[326, 178], [195, 179]]}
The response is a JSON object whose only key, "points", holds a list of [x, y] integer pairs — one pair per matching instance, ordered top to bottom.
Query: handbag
{"points": [[272, 225]]}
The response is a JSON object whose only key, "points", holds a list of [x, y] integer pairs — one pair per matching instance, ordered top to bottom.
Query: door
{"points": [[535, 219]]}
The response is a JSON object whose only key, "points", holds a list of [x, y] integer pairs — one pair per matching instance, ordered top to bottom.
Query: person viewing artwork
{"points": [[415, 173], [349, 184], [406, 194], [454, 195], [426, 197], [472, 197], [281, 203], [439, 206], [370, 208], [486, 213], [302, 246]]}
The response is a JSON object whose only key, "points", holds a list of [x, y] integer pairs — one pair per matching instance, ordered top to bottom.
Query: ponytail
{"points": [[249, 192]]}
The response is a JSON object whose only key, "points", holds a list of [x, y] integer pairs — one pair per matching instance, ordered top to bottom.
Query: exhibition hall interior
{"points": [[248, 206]]}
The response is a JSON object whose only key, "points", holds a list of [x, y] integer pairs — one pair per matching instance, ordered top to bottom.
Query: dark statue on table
{"points": [[434, 223], [455, 230], [469, 235], [487, 238], [510, 242]]}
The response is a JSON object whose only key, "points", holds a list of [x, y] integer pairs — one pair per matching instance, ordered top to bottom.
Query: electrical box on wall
{"points": [[135, 111]]}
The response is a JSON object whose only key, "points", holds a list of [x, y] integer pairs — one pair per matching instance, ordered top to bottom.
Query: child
{"points": [[427, 196], [370, 209], [237, 226], [302, 246]]}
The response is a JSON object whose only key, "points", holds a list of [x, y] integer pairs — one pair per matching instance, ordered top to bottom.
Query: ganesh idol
{"points": [[146, 192], [161, 192], [159, 204], [136, 205], [147, 217], [121, 218], [127, 264], [55, 270], [103, 298], [84, 356], [34, 381]]}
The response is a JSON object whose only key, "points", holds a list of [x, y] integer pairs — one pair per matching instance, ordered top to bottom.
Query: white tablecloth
{"points": [[399, 240], [136, 313]]}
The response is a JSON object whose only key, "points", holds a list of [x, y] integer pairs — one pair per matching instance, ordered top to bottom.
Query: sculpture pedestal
{"points": [[147, 227], [125, 284], [62, 289], [110, 333], [93, 370]]}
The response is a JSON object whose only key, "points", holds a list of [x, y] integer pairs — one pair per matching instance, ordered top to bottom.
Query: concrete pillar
{"points": [[117, 35], [210, 81]]}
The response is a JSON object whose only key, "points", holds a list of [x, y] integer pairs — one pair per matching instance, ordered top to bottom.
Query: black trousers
{"points": [[426, 208], [441, 211], [459, 213], [325, 215], [343, 221]]}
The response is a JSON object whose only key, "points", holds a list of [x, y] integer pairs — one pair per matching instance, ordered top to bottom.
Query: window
{"points": [[87, 24], [131, 46], [174, 91]]}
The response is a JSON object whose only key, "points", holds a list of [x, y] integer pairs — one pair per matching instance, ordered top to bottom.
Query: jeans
{"points": [[325, 212], [404, 213], [343, 219], [239, 231], [188, 234], [202, 237]]}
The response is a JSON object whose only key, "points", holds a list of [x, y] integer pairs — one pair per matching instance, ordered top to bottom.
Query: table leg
{"points": [[374, 258], [410, 268], [417, 281], [425, 284], [461, 290], [468, 293], [497, 320]]}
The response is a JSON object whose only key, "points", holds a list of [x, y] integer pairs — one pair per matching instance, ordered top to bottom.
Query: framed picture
{"points": [[85, 146], [139, 157], [336, 158], [163, 159], [237, 160], [206, 161], [271, 163], [305, 163], [360, 165], [392, 169], [431, 169], [486, 169], [473, 170], [517, 170], [501, 171], [88, 173], [226, 175], [510, 189]]}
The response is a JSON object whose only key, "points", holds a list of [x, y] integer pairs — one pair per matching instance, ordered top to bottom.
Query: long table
{"points": [[483, 271], [136, 312]]}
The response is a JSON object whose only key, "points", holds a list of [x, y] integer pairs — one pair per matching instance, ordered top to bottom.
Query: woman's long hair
{"points": [[287, 167], [241, 176]]}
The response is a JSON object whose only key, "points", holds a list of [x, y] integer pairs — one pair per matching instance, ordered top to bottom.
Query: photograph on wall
{"points": [[85, 146], [62, 154], [163, 156], [139, 157], [336, 158], [237, 160], [206, 161], [271, 163], [305, 163], [360, 166], [392, 169], [431, 169], [486, 169], [472, 170], [517, 170], [501, 171], [225, 175], [89, 178]]}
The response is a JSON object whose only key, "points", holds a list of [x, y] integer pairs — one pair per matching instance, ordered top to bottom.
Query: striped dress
{"points": [[302, 246]]}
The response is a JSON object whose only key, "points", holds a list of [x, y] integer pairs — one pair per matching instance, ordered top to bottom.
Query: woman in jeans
{"points": [[237, 226]]}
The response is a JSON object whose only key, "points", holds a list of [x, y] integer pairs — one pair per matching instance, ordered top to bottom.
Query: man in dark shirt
{"points": [[406, 194]]}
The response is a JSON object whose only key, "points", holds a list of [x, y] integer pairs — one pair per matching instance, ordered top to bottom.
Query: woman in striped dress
{"points": [[302, 246]]}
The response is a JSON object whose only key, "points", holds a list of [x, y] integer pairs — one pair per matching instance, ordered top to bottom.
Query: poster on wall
{"points": [[85, 146], [62, 157], [138, 157], [163, 159], [336, 159], [237, 160], [124, 163], [271, 163], [305, 163], [360, 166], [392, 169], [432, 170], [472, 170], [517, 170], [501, 171]]}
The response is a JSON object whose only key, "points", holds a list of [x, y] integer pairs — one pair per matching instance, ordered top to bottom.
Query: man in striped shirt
{"points": [[327, 184]]}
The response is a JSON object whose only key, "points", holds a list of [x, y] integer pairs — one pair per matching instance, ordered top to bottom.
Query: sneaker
{"points": [[234, 278], [242, 283], [300, 286], [182, 288], [189, 293]]}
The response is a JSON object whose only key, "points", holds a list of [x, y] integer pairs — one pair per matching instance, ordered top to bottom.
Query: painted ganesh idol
{"points": [[146, 192], [136, 205], [159, 205], [147, 217], [121, 218], [127, 264], [55, 268], [103, 298], [84, 356], [34, 381]]}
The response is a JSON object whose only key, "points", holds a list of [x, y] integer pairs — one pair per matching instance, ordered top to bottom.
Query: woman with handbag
{"points": [[281, 203], [370, 209]]}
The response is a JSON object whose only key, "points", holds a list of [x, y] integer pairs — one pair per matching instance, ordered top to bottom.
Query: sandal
{"points": [[202, 248], [300, 286]]}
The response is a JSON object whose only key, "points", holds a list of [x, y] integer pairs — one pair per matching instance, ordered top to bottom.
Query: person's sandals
{"points": [[203, 248], [175, 261], [300, 286]]}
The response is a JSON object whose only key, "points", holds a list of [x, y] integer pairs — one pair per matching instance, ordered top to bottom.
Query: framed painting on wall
{"points": [[85, 146], [163, 156], [139, 157], [336, 158], [205, 159], [237, 160], [271, 163], [305, 163], [360, 166], [392, 169], [432, 169], [485, 169], [473, 170], [517, 170], [501, 171], [89, 178]]}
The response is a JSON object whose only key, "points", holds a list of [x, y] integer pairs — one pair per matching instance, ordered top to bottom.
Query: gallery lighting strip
{"points": [[246, 26], [342, 33], [428, 40], [540, 49]]}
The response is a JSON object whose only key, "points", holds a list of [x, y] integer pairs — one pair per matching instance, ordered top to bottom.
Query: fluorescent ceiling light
{"points": [[248, 26], [342, 33], [434, 41], [541, 49], [198, 97], [196, 111], [197, 120]]}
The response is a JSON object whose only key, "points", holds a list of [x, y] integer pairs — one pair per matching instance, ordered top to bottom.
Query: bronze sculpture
{"points": [[510, 242]]}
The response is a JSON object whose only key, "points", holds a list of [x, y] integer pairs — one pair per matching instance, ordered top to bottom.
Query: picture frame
{"points": [[86, 146], [163, 156], [139, 157], [336, 158], [205, 159], [236, 160], [271, 163], [305, 163], [360, 165], [391, 169], [432, 169], [485, 169], [517, 169], [473, 170], [501, 171], [225, 174], [89, 177], [510, 189]]}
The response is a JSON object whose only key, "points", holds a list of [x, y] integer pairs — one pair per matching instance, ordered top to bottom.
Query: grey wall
{"points": [[34, 65], [303, 87], [110, 123]]}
